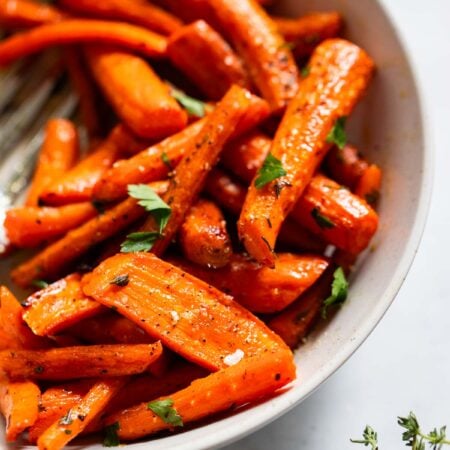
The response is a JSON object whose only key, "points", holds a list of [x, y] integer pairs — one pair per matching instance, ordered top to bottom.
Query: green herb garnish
{"points": [[305, 70], [194, 107], [337, 135], [165, 159], [270, 170], [322, 221], [142, 241], [41, 284], [339, 291], [164, 409], [111, 437], [370, 438]]}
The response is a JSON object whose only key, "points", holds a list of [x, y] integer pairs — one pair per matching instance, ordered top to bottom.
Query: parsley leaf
{"points": [[304, 72], [194, 107], [337, 135], [166, 160], [270, 170], [152, 203], [322, 221], [142, 241], [120, 280], [41, 284], [339, 291], [164, 410], [370, 437], [111, 438]]}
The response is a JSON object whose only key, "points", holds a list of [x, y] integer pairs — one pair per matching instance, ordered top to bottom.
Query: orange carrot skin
{"points": [[138, 12], [25, 13], [73, 31], [267, 57], [206, 58], [339, 74], [136, 93], [58, 154], [369, 185], [30, 226], [204, 237], [260, 289], [58, 306], [188, 316], [69, 363], [251, 379], [19, 404]]}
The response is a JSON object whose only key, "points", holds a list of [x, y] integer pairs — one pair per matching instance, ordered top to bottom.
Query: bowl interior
{"points": [[389, 129]]}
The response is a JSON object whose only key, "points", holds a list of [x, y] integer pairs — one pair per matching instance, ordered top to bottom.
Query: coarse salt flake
{"points": [[175, 316], [233, 358]]}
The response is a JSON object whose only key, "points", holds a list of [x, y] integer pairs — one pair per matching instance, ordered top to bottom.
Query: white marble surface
{"points": [[405, 363]]}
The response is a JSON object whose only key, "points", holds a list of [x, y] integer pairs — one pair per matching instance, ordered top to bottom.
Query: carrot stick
{"points": [[138, 12], [25, 13], [74, 31], [268, 58], [207, 59], [339, 74], [136, 93], [58, 154], [369, 184], [28, 226], [204, 237], [188, 316], [69, 363], [252, 379], [19, 404], [80, 416]]}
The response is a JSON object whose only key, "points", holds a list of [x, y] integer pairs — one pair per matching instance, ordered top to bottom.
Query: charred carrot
{"points": [[139, 12], [26, 13], [75, 31], [267, 57], [206, 58], [339, 74], [58, 154], [369, 184], [204, 237], [191, 318], [69, 363]]}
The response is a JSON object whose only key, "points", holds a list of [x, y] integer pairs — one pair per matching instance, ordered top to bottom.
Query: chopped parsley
{"points": [[305, 70], [193, 107], [337, 135], [166, 160], [270, 170], [321, 220], [142, 241], [120, 280], [41, 284], [339, 291], [164, 410], [111, 437]]}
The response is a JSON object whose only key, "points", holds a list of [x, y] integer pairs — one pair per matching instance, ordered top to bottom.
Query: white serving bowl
{"points": [[389, 126]]}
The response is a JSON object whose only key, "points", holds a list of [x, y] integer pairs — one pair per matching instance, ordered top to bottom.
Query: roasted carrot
{"points": [[139, 12], [26, 13], [73, 31], [306, 32], [267, 57], [206, 58], [339, 74], [58, 154], [369, 184], [31, 226], [293, 236], [204, 237], [260, 289], [58, 306], [191, 318], [69, 363], [251, 379], [19, 404]]}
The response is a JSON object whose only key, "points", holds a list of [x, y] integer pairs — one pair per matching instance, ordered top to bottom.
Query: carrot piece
{"points": [[139, 12], [26, 13], [73, 31], [307, 31], [268, 58], [207, 59], [339, 74], [57, 156], [369, 184], [28, 226], [293, 236], [204, 237], [260, 289], [191, 318], [69, 363], [251, 379], [19, 404], [80, 416]]}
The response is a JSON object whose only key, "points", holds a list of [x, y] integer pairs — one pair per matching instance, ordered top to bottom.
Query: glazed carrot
{"points": [[139, 12], [26, 13], [73, 31], [307, 31], [267, 57], [207, 59], [339, 74], [136, 93], [58, 154], [149, 164], [190, 175], [369, 184], [30, 226], [203, 235], [56, 259], [58, 306], [188, 316], [69, 363], [251, 379], [19, 404], [80, 416]]}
